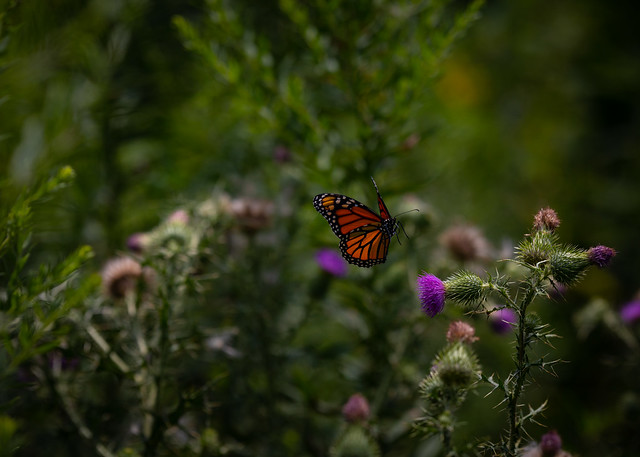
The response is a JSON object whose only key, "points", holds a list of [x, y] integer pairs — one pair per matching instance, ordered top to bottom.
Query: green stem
{"points": [[521, 371], [61, 397], [156, 423]]}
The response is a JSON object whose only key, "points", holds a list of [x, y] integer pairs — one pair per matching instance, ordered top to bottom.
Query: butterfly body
{"points": [[364, 235]]}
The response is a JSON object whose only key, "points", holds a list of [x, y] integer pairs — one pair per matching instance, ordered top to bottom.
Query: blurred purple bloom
{"points": [[281, 154], [179, 216], [137, 242], [601, 255], [331, 262], [557, 291], [431, 292], [630, 312], [501, 321], [356, 409], [550, 443]]}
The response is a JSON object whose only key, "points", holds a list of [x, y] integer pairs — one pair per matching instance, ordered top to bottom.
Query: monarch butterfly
{"points": [[364, 235]]}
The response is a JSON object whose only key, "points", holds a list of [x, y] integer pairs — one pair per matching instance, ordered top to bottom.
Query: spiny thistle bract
{"points": [[536, 248], [567, 265], [465, 288], [457, 366], [355, 442]]}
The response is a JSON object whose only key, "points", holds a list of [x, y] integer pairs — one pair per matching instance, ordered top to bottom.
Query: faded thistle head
{"points": [[546, 220], [465, 243], [120, 277], [461, 331]]}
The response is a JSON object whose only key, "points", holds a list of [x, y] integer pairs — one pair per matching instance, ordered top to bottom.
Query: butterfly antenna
{"points": [[375, 185], [405, 212]]}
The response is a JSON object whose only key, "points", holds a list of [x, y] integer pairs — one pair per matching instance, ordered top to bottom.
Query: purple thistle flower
{"points": [[600, 255], [331, 262], [431, 292], [630, 312], [501, 321], [356, 409], [550, 443]]}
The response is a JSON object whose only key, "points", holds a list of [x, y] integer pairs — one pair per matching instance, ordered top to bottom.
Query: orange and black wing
{"points": [[343, 213], [363, 238], [365, 246]]}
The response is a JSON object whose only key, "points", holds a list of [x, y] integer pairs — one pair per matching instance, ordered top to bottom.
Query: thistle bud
{"points": [[174, 237], [537, 248], [568, 265], [465, 288], [457, 366], [355, 443]]}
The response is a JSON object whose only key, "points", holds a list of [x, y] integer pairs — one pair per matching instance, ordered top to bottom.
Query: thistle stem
{"points": [[521, 369]]}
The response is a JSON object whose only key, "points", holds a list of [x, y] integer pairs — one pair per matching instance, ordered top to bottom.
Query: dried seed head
{"points": [[252, 215], [546, 219], [465, 243], [120, 276], [461, 331]]}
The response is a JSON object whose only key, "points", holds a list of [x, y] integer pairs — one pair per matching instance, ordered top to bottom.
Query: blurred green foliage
{"points": [[175, 104]]}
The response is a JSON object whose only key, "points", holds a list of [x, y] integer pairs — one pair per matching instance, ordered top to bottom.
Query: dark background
{"points": [[536, 105]]}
